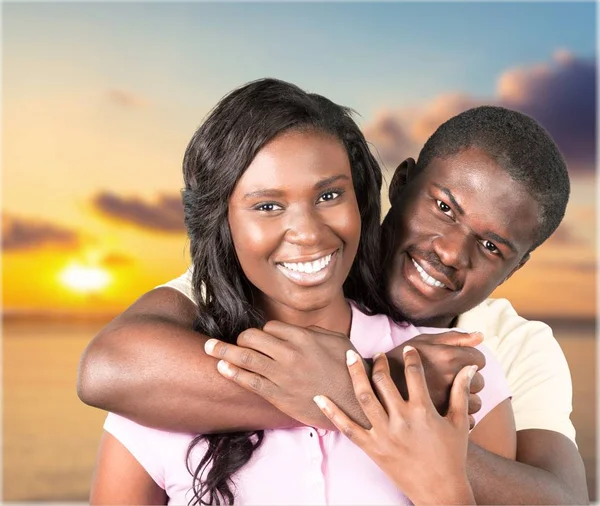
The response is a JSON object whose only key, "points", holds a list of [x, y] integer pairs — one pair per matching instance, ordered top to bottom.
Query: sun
{"points": [[84, 279]]}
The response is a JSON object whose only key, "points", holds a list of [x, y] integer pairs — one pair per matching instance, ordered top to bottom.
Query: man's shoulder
{"points": [[183, 284], [498, 318], [511, 337]]}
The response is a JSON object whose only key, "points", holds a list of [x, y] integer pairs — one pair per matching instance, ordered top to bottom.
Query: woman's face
{"points": [[295, 222]]}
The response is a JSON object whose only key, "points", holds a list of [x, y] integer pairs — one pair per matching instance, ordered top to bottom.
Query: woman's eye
{"points": [[329, 196], [442, 206], [268, 207]]}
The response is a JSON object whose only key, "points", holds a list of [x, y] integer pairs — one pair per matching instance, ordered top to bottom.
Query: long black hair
{"points": [[218, 154]]}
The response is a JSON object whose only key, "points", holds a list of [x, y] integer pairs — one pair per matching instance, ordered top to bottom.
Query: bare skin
{"points": [[307, 218], [132, 348], [125, 367]]}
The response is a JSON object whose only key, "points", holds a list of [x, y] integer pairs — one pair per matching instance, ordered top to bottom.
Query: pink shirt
{"points": [[303, 465]]}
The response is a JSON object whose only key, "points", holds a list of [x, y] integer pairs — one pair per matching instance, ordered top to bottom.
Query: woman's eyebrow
{"points": [[330, 180], [268, 192]]}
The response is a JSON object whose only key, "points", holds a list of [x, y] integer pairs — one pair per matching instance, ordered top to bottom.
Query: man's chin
{"points": [[425, 319]]}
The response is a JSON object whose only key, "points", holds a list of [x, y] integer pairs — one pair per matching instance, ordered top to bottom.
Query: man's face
{"points": [[458, 229]]}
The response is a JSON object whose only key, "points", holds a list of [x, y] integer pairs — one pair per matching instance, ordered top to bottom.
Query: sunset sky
{"points": [[101, 99]]}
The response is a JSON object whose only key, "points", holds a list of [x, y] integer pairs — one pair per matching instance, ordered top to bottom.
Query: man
{"points": [[489, 187]]}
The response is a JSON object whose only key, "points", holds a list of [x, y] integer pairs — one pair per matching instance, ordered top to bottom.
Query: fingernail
{"points": [[209, 346], [406, 349], [377, 356], [351, 357], [224, 368], [472, 371], [319, 401]]}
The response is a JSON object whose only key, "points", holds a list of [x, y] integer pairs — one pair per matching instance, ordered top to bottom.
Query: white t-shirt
{"points": [[534, 365]]}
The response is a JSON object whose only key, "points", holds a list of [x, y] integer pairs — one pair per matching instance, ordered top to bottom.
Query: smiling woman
{"points": [[86, 279]]}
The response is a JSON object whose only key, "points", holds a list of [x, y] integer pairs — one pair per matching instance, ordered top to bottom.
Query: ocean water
{"points": [[50, 438]]}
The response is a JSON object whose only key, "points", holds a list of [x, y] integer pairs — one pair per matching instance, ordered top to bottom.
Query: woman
{"points": [[282, 209]]}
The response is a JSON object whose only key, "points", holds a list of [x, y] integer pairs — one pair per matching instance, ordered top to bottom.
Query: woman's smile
{"points": [[310, 272]]}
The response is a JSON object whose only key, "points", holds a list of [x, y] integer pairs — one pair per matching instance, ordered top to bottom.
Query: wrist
{"points": [[452, 491]]}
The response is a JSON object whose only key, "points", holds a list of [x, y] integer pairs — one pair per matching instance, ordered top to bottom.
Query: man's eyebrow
{"points": [[330, 180], [451, 197], [492, 235], [502, 240]]}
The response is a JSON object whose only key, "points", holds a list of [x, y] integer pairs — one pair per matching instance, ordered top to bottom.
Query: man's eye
{"points": [[329, 196], [442, 206], [268, 207], [490, 246]]}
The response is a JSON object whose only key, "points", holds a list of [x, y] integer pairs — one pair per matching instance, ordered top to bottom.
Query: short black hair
{"points": [[520, 145]]}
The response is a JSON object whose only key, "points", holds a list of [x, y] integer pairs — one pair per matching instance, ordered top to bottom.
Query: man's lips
{"points": [[425, 278]]}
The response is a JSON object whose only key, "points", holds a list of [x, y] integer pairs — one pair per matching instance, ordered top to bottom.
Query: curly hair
{"points": [[218, 154]]}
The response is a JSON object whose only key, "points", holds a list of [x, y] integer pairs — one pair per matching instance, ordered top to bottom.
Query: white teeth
{"points": [[309, 267], [426, 277]]}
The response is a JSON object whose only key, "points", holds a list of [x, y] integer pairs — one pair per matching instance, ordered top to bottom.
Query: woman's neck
{"points": [[335, 316]]}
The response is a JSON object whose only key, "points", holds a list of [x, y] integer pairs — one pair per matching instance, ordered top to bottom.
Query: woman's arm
{"points": [[149, 366], [496, 431], [120, 479]]}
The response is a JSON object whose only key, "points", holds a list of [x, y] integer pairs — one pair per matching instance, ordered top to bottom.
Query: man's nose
{"points": [[453, 247]]}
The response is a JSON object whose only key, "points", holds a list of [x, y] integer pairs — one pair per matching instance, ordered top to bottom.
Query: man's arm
{"points": [[149, 366], [548, 470]]}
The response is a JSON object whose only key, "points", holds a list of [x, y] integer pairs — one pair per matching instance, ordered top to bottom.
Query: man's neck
{"points": [[440, 322]]}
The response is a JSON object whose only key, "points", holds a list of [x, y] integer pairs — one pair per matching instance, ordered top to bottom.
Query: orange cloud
{"points": [[164, 215], [25, 234], [115, 260]]}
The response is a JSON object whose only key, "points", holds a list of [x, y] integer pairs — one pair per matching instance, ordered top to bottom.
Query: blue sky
{"points": [[362, 54]]}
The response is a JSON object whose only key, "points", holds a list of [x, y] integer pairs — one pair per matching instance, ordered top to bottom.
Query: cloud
{"points": [[560, 94], [126, 99], [390, 143], [163, 215], [25, 234], [566, 235], [116, 260], [566, 268]]}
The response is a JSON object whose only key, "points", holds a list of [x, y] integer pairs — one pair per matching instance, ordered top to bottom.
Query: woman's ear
{"points": [[403, 172]]}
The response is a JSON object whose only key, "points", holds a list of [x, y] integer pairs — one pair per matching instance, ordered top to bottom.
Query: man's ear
{"points": [[403, 172], [523, 261]]}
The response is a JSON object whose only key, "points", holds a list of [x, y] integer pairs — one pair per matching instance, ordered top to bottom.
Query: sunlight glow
{"points": [[84, 279]]}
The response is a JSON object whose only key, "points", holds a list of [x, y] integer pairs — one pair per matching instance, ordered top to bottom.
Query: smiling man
{"points": [[489, 187]]}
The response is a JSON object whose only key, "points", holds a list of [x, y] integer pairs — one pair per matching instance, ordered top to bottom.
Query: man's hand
{"points": [[443, 356], [288, 365]]}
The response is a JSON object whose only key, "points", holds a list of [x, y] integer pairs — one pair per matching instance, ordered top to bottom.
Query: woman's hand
{"points": [[288, 365], [424, 453]]}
